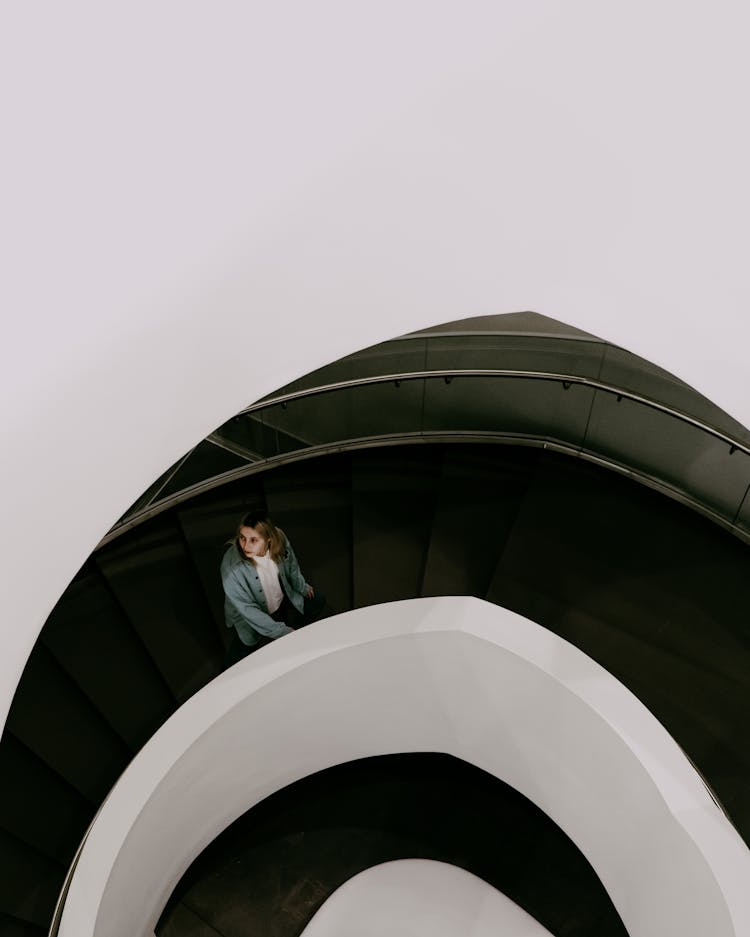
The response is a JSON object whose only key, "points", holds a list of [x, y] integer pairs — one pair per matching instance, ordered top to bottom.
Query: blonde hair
{"points": [[274, 536]]}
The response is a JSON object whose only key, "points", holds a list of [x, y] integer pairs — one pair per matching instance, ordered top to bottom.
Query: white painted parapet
{"points": [[453, 675], [420, 898]]}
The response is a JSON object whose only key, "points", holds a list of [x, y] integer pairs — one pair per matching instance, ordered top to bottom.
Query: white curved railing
{"points": [[454, 675], [420, 898]]}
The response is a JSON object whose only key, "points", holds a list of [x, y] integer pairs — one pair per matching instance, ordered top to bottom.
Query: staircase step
{"points": [[480, 491], [394, 493], [152, 577], [651, 591], [94, 643], [52, 717], [37, 806], [29, 885], [183, 922], [12, 927]]}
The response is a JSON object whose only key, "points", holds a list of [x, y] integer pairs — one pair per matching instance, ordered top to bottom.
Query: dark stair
{"points": [[394, 493], [469, 532], [153, 578], [275, 866]]}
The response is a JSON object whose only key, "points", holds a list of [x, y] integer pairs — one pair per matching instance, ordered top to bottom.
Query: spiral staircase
{"points": [[403, 472]]}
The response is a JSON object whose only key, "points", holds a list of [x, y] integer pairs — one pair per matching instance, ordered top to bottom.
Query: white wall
{"points": [[201, 202], [454, 675]]}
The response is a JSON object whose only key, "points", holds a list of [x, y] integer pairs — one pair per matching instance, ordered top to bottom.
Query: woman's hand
{"points": [[310, 592]]}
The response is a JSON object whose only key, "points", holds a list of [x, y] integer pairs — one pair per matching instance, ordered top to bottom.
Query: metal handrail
{"points": [[500, 333], [564, 379], [567, 380], [436, 436]]}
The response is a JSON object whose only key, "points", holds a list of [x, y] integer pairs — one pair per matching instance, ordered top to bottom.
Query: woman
{"points": [[266, 595]]}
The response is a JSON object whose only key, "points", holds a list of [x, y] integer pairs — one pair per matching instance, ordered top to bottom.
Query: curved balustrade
{"points": [[524, 342], [668, 449], [503, 694], [422, 899]]}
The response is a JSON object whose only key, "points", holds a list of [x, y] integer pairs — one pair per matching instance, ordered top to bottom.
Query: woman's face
{"points": [[252, 542]]}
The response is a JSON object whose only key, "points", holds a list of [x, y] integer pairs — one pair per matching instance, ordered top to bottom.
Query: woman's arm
{"points": [[249, 613]]}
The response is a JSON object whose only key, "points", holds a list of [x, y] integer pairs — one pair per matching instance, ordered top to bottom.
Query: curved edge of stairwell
{"points": [[455, 675], [423, 898]]}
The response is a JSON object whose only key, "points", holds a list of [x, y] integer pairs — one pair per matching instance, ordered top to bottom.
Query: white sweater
{"points": [[268, 573]]}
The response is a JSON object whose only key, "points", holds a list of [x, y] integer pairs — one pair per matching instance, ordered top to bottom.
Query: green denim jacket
{"points": [[245, 606]]}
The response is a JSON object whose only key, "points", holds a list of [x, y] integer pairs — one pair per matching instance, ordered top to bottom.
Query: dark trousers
{"points": [[287, 613]]}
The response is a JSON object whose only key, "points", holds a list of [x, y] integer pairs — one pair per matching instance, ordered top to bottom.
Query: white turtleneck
{"points": [[268, 573]]}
